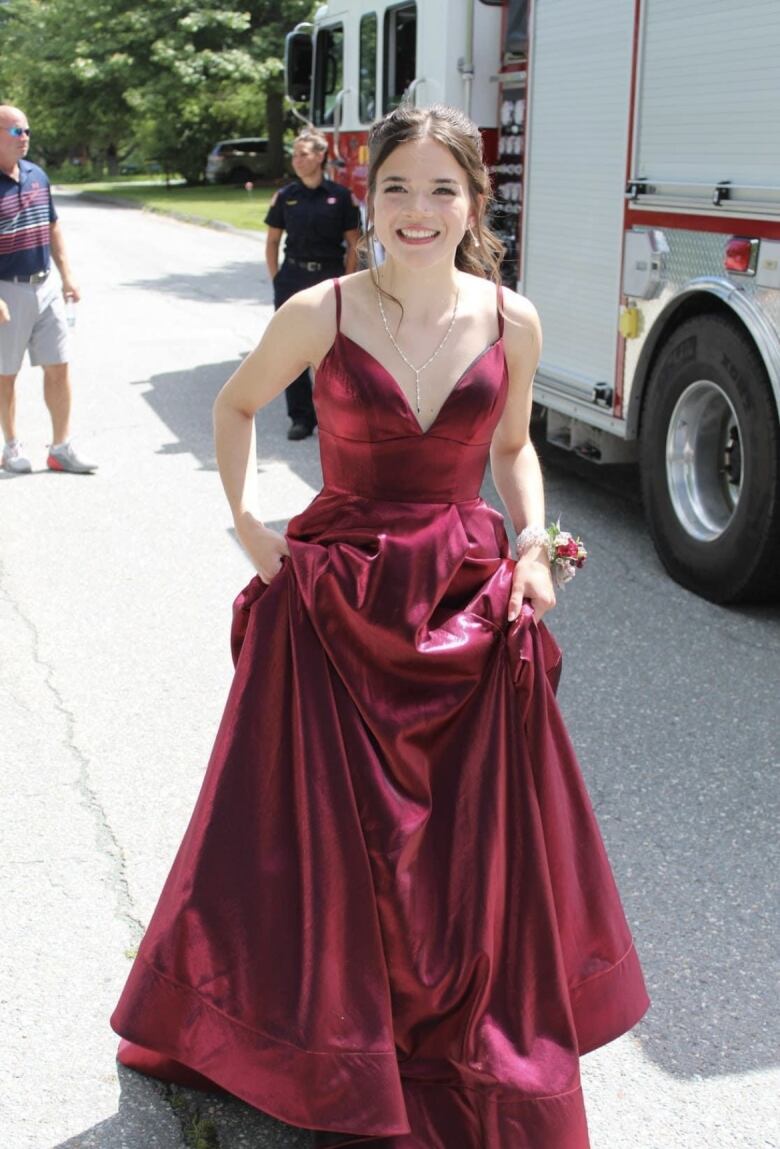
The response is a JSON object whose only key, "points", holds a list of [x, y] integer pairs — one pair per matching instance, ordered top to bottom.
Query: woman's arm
{"points": [[272, 240], [351, 258], [297, 337], [513, 460]]}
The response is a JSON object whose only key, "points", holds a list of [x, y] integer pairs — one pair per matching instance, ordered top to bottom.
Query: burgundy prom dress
{"points": [[391, 918]]}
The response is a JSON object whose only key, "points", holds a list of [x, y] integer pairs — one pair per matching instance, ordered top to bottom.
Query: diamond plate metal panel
{"points": [[695, 255]]}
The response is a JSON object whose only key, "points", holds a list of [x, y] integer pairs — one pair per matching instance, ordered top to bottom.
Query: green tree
{"points": [[69, 63], [169, 77]]}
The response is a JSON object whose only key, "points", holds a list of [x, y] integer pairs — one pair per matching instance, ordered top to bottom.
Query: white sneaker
{"points": [[64, 457], [14, 460]]}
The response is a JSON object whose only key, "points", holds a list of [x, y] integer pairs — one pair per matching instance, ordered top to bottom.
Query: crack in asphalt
{"points": [[107, 841]]}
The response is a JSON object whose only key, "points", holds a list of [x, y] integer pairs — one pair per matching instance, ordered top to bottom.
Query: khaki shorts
{"points": [[37, 325]]}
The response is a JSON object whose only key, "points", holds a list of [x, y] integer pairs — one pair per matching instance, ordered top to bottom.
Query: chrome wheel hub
{"points": [[704, 460]]}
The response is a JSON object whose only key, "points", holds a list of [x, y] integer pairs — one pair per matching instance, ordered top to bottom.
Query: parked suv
{"points": [[235, 161]]}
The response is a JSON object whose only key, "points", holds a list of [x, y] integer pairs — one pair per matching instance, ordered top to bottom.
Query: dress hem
{"points": [[609, 1003], [182, 1023]]}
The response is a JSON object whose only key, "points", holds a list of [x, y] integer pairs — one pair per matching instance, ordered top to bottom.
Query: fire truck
{"points": [[635, 154]]}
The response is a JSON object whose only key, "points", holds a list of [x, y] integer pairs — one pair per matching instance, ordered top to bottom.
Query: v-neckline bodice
{"points": [[408, 409]]}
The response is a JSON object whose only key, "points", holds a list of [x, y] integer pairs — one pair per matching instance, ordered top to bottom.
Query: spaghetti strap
{"points": [[337, 289], [500, 308]]}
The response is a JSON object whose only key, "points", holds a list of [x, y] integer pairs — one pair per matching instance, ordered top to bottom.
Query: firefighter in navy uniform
{"points": [[322, 222]]}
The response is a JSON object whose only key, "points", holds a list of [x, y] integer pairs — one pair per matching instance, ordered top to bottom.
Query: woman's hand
{"points": [[266, 548], [532, 580]]}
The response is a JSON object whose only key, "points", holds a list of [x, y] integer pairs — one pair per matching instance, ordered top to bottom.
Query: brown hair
{"points": [[317, 140], [480, 251]]}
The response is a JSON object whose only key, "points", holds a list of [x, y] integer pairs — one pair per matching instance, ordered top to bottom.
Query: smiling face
{"points": [[12, 148], [421, 205]]}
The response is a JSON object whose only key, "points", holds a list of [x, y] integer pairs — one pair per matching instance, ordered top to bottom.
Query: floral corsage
{"points": [[566, 553]]}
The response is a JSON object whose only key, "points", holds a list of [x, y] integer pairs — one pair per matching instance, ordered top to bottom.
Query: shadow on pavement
{"points": [[229, 283], [183, 401], [670, 701], [156, 1116]]}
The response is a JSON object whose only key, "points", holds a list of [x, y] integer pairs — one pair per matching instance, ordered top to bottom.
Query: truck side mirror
{"points": [[297, 66]]}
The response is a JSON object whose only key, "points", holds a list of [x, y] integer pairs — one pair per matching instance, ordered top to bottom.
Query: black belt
{"points": [[313, 265], [37, 277]]}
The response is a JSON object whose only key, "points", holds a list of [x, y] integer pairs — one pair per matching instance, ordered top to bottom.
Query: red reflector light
{"points": [[738, 255]]}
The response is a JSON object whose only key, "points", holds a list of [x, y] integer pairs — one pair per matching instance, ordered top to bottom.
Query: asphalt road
{"points": [[115, 595]]}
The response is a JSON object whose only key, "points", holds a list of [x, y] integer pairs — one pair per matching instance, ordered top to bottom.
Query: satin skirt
{"points": [[392, 918]]}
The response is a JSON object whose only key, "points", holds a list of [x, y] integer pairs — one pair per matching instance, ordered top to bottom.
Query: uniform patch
{"points": [[331, 199]]}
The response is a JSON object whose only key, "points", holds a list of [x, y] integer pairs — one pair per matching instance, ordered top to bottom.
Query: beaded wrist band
{"points": [[530, 537], [565, 553]]}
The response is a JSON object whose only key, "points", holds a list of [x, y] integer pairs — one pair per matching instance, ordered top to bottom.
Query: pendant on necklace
{"points": [[417, 370]]}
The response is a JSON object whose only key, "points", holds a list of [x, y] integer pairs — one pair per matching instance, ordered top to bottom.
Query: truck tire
{"points": [[710, 463]]}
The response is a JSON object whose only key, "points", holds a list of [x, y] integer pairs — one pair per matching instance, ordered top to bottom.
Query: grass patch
{"points": [[221, 204], [198, 1132], [201, 1134]]}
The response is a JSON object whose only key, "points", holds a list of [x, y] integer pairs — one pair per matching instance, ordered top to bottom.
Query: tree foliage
{"points": [[100, 79]]}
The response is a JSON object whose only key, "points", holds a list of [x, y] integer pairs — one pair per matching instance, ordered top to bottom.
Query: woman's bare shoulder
{"points": [[358, 288], [317, 305], [516, 309], [520, 311], [309, 317], [522, 328]]}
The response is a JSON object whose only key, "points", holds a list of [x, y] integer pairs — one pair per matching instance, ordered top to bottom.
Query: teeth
{"points": [[417, 233]]}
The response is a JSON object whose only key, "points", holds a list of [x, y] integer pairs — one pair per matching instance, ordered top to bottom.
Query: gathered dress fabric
{"points": [[392, 919]]}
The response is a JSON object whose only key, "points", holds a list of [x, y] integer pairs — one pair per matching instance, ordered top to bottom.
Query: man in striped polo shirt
{"points": [[32, 309]]}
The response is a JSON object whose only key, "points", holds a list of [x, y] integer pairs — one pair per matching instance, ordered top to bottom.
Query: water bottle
{"points": [[70, 312]]}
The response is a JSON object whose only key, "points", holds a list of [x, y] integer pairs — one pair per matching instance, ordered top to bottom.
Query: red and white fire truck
{"points": [[635, 152]]}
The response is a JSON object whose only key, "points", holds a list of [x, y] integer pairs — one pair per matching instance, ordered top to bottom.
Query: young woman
{"points": [[392, 919]]}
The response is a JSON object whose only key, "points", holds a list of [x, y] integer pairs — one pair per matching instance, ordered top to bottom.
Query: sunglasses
{"points": [[17, 133]]}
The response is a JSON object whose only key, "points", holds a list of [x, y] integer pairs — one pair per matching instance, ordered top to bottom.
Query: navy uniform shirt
{"points": [[26, 215], [314, 220]]}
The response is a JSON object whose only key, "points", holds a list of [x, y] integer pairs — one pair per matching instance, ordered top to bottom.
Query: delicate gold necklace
{"points": [[417, 370]]}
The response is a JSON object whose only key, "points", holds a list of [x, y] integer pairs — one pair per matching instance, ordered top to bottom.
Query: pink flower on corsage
{"points": [[567, 554]]}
